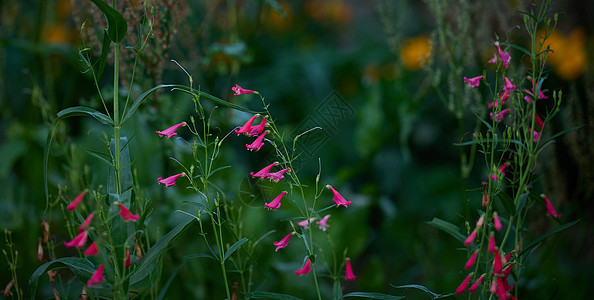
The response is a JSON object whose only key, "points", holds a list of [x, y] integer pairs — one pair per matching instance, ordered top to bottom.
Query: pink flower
{"points": [[504, 57], [474, 81], [509, 87], [239, 90], [502, 99], [528, 99], [498, 117], [539, 121], [247, 127], [256, 130], [170, 132], [535, 135], [257, 144], [500, 171], [264, 172], [277, 176], [170, 181], [338, 198], [76, 201], [275, 204], [550, 209], [126, 214], [480, 221], [497, 222], [86, 223], [305, 223], [323, 223], [470, 238], [78, 241], [283, 243], [492, 243], [92, 250], [127, 258], [471, 261], [497, 264], [305, 269], [348, 274], [97, 277], [476, 284], [462, 287]]}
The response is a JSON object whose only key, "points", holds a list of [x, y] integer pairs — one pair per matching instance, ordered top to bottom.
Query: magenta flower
{"points": [[503, 57], [474, 81], [509, 87], [240, 91], [502, 99], [528, 99], [498, 117], [539, 121], [247, 127], [256, 130], [170, 132], [535, 135], [257, 144], [500, 171], [264, 172], [277, 176], [170, 181], [338, 198], [76, 201], [275, 204], [550, 209], [126, 214], [480, 221], [497, 222], [86, 223], [305, 223], [323, 223], [470, 238], [78, 241], [283, 243], [492, 243], [92, 250], [127, 261], [471, 261], [497, 263], [305, 269], [348, 274], [97, 277], [476, 284], [462, 287]]}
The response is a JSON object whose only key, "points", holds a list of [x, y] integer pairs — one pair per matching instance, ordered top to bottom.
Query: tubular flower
{"points": [[501, 56], [474, 81], [509, 87], [240, 91], [529, 98], [502, 99], [498, 117], [539, 121], [247, 127], [256, 130], [170, 132], [535, 135], [257, 144], [500, 171], [264, 172], [277, 176], [170, 181], [338, 198], [485, 200], [76, 201], [275, 204], [550, 209], [126, 214], [480, 221], [497, 222], [86, 223], [305, 223], [323, 223], [45, 226], [470, 238], [78, 241], [283, 243], [492, 243], [92, 250], [39, 251], [127, 258], [471, 261], [497, 263], [305, 269], [349, 275], [97, 277], [476, 284], [462, 287]]}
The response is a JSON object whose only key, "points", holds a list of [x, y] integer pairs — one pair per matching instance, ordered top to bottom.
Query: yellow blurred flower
{"points": [[329, 11], [415, 52], [569, 59]]}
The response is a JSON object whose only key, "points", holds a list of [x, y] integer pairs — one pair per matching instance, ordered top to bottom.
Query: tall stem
{"points": [[116, 117]]}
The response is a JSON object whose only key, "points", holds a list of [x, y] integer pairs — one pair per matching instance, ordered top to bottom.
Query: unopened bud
{"points": [[39, 251]]}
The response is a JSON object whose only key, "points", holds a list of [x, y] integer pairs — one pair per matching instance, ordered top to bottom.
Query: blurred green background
{"points": [[362, 70]]}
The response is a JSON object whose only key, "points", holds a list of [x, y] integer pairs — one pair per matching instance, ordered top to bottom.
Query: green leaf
{"points": [[276, 7], [116, 25], [104, 52], [214, 99], [485, 122], [558, 134], [497, 140], [100, 156], [218, 169], [507, 202], [325, 209], [448, 228], [546, 235], [306, 240], [234, 247], [190, 256], [82, 268], [424, 289], [337, 290], [269, 295], [373, 295]]}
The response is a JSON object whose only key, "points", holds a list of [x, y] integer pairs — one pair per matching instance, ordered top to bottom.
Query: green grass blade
{"points": [[269, 295], [373, 296]]}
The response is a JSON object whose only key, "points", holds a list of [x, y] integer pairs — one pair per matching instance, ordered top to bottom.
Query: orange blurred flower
{"points": [[331, 11], [415, 52], [569, 59]]}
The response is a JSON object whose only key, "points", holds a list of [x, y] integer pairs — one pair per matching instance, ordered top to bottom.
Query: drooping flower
{"points": [[501, 56], [474, 81], [509, 87], [240, 91], [529, 98], [502, 99], [498, 117], [539, 121], [247, 127], [256, 130], [170, 132], [535, 135], [257, 143], [500, 171], [264, 172], [277, 176], [170, 181], [338, 198], [485, 200], [76, 201], [275, 204], [550, 209], [126, 214], [480, 221], [497, 222], [86, 223], [305, 223], [323, 223], [45, 227], [470, 238], [78, 241], [283, 243], [492, 243], [92, 250], [39, 251], [127, 261], [471, 261], [497, 263], [305, 269], [348, 274], [97, 277], [476, 284], [462, 287]]}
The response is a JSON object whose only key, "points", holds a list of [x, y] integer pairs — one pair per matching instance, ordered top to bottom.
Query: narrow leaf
{"points": [[116, 25], [104, 52], [485, 122], [558, 134], [100, 156], [218, 169], [507, 202], [448, 228], [546, 235], [234, 247], [81, 267], [424, 289], [269, 295], [373, 296]]}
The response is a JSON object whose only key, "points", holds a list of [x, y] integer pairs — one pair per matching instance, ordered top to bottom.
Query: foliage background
{"points": [[393, 155]]}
